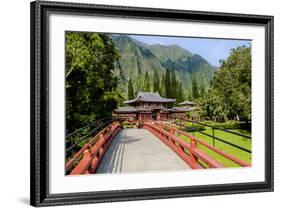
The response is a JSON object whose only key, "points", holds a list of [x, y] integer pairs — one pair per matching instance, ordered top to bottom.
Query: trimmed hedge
{"points": [[127, 124], [224, 125], [195, 127]]}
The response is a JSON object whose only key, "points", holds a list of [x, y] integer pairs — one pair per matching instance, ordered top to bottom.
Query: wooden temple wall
{"points": [[126, 116], [145, 116]]}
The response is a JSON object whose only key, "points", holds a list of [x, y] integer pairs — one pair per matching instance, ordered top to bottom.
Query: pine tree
{"points": [[140, 82], [146, 82], [156, 82], [167, 84], [174, 85], [163, 86], [195, 89], [130, 90], [202, 90], [180, 93], [190, 96]]}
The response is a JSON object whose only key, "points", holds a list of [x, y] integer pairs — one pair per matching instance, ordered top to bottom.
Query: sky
{"points": [[212, 50]]}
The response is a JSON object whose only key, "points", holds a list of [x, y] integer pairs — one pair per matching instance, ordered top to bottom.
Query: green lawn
{"points": [[235, 139]]}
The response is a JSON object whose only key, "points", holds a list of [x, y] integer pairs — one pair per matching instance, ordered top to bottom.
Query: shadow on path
{"points": [[134, 150]]}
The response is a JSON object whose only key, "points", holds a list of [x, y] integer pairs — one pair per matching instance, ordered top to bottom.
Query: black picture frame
{"points": [[39, 176]]}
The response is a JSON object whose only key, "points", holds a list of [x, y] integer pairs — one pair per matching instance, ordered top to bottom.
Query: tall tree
{"points": [[140, 82], [146, 82], [156, 82], [90, 83], [167, 84], [163, 86], [231, 87], [174, 88], [195, 89], [130, 90], [202, 90], [180, 94], [190, 96]]}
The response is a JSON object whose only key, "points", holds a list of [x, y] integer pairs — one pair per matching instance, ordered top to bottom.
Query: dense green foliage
{"points": [[146, 82], [156, 82], [90, 83], [140, 85], [162, 86], [169, 86], [195, 89], [131, 94], [229, 97], [126, 124], [224, 125]]}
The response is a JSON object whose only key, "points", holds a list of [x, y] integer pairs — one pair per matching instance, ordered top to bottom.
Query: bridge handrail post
{"points": [[180, 123], [192, 127], [172, 131], [213, 134], [179, 146], [193, 146], [91, 155]]}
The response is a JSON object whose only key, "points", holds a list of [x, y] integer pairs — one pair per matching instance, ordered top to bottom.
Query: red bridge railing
{"points": [[204, 143], [188, 152], [92, 154], [224, 154], [87, 159]]}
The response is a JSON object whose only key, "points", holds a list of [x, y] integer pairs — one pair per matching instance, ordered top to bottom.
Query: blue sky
{"points": [[211, 49]]}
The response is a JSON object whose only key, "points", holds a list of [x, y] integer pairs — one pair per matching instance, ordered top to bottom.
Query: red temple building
{"points": [[148, 106]]}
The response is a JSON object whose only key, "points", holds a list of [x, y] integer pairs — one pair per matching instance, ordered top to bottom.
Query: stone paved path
{"points": [[138, 150]]}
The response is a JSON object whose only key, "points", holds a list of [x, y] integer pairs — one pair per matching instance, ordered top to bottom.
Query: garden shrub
{"points": [[126, 124], [224, 125], [195, 127]]}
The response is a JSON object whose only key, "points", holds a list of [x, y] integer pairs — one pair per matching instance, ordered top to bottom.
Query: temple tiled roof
{"points": [[149, 97], [187, 103], [125, 109], [179, 109], [183, 109]]}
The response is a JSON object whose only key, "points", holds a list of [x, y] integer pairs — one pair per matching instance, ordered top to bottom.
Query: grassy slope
{"points": [[238, 140]]}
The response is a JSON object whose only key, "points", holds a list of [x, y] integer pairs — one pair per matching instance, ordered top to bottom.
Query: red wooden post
{"points": [[110, 126], [172, 131], [101, 137], [193, 145], [83, 164], [94, 164]]}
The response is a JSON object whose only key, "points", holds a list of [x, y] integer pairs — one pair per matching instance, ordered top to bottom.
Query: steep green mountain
{"points": [[137, 56]]}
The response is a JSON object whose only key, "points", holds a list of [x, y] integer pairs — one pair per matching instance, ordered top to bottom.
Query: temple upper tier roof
{"points": [[149, 97], [187, 103]]}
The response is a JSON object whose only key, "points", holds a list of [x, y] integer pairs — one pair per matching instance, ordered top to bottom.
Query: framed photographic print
{"points": [[131, 103]]}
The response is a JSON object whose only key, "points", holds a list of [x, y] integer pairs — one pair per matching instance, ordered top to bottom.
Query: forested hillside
{"points": [[139, 59]]}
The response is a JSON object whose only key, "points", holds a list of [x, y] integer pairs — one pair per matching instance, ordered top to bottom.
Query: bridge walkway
{"points": [[138, 150]]}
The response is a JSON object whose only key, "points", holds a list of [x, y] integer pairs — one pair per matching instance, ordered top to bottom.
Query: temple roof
{"points": [[149, 97], [187, 103], [125, 109], [129, 109], [179, 109], [183, 109]]}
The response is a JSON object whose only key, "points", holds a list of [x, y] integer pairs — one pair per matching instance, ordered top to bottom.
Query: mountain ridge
{"points": [[138, 56]]}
